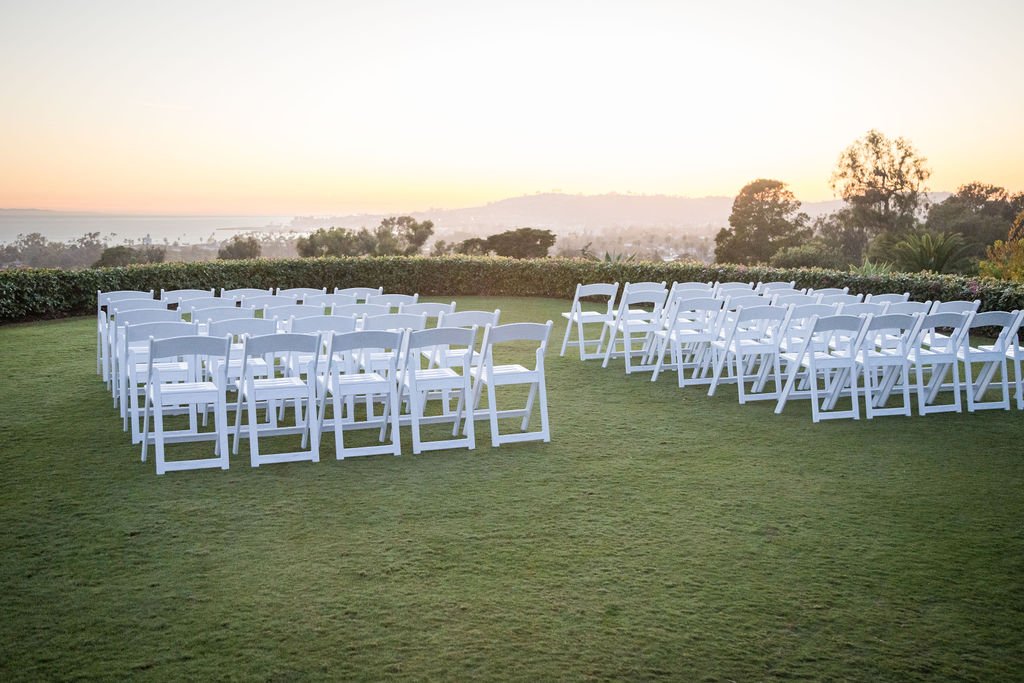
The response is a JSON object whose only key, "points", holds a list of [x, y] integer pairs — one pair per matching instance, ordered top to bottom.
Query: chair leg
{"points": [[565, 340], [543, 398], [492, 410], [220, 421], [525, 424], [158, 438], [254, 440]]}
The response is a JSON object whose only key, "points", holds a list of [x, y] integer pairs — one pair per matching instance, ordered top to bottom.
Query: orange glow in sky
{"points": [[337, 107]]}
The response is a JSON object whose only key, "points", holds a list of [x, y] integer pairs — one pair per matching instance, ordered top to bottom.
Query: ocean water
{"points": [[117, 228]]}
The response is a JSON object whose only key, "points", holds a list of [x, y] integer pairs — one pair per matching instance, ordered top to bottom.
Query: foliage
{"points": [[883, 181], [980, 212], [765, 218], [844, 233], [395, 236], [521, 243], [474, 246], [240, 247], [922, 250], [35, 251], [814, 254], [124, 255], [1006, 259], [872, 268], [37, 293]]}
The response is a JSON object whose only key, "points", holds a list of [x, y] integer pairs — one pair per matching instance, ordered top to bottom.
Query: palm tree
{"points": [[941, 252]]}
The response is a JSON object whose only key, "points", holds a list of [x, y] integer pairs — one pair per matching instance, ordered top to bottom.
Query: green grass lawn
{"points": [[661, 535]]}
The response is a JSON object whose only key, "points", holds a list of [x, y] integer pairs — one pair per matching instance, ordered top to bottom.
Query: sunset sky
{"points": [[341, 107]]}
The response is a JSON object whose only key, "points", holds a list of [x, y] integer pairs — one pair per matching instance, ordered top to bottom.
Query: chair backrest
{"points": [[692, 285], [774, 286], [643, 287], [602, 289], [829, 291], [242, 292], [360, 292], [300, 293], [176, 296], [105, 298], [653, 298], [839, 298], [887, 298], [791, 299], [263, 300], [330, 300], [392, 301], [745, 301], [135, 305], [189, 305], [956, 306], [910, 307], [863, 309], [358, 310], [431, 310], [291, 311], [702, 314], [146, 315], [206, 315], [469, 318], [801, 319], [395, 321], [322, 323], [761, 323], [1008, 325], [240, 327], [158, 330], [891, 332], [837, 333], [929, 335], [463, 337], [366, 339], [281, 343], [190, 345]]}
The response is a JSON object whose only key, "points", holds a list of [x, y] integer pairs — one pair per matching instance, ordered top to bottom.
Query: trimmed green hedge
{"points": [[47, 293]]}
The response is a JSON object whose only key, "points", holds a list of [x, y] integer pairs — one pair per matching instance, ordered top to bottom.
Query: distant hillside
{"points": [[565, 213]]}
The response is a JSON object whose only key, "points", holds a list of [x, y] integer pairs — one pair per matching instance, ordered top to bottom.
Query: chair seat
{"points": [[587, 316], [279, 387], [175, 392]]}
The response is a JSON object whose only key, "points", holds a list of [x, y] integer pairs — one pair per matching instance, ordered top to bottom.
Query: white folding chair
{"points": [[765, 287], [722, 288], [829, 291], [360, 292], [301, 293], [172, 297], [839, 298], [887, 298], [791, 299], [263, 300], [103, 301], [189, 306], [951, 307], [909, 308], [862, 309], [359, 311], [433, 311], [639, 312], [283, 314], [204, 316], [578, 318], [110, 322], [324, 325], [692, 325], [238, 329], [116, 330], [134, 342], [750, 351], [937, 353], [1015, 353], [443, 356], [991, 357], [884, 359], [835, 365], [493, 375], [347, 381], [418, 382], [272, 390], [191, 393]]}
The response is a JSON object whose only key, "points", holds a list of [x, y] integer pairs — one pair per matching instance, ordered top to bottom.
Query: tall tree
{"points": [[883, 181], [979, 212], [765, 218], [521, 243], [240, 247]]}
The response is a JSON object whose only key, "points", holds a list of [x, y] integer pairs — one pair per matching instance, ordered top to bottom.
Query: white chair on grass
{"points": [[765, 287], [722, 288], [829, 291], [360, 292], [887, 298], [791, 299], [845, 299], [263, 300], [103, 302], [189, 306], [951, 307], [113, 308], [909, 308], [863, 309], [360, 311], [433, 311], [639, 313], [284, 314], [204, 316], [578, 318], [324, 325], [692, 325], [238, 329], [116, 331], [749, 351], [937, 353], [1015, 353], [444, 356], [992, 358], [884, 360], [135, 364], [830, 369], [493, 375], [347, 382], [417, 383], [275, 390], [190, 393]]}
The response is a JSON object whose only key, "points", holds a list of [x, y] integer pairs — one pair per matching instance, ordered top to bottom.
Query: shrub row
{"points": [[46, 293]]}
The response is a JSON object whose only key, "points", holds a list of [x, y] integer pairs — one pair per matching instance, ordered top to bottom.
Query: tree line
{"points": [[887, 222]]}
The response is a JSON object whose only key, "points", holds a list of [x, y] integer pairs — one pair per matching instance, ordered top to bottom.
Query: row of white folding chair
{"points": [[104, 301], [345, 377]]}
